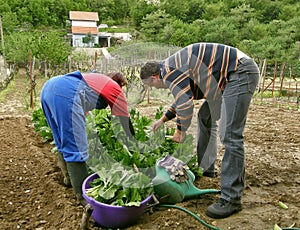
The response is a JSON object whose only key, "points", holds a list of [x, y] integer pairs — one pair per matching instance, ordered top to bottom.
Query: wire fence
{"points": [[279, 84]]}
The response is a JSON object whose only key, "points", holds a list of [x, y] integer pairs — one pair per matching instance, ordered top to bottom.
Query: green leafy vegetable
{"points": [[40, 125], [108, 143], [112, 156], [121, 187]]}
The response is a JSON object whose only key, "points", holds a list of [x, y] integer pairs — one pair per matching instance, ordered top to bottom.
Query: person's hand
{"points": [[156, 125], [178, 136]]}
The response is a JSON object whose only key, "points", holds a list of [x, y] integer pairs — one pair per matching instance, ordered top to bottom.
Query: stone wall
{"points": [[4, 74]]}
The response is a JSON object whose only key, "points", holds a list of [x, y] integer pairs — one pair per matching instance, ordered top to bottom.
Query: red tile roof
{"points": [[82, 15], [84, 30]]}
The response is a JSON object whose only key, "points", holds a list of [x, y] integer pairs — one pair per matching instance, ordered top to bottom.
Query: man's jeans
{"points": [[234, 108]]}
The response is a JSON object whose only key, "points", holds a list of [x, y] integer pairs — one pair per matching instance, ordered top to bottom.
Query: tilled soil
{"points": [[33, 197]]}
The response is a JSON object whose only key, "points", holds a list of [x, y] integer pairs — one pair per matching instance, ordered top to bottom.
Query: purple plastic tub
{"points": [[110, 216]]}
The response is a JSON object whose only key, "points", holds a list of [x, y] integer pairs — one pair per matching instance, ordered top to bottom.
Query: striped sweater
{"points": [[196, 71]]}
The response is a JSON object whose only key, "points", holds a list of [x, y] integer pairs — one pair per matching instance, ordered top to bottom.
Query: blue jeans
{"points": [[64, 101], [234, 107]]}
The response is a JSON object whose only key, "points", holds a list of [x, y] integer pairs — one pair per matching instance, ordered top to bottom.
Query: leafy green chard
{"points": [[40, 125], [113, 155], [120, 187]]}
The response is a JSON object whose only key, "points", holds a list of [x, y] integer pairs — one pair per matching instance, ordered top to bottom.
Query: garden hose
{"points": [[192, 214], [202, 221], [290, 228]]}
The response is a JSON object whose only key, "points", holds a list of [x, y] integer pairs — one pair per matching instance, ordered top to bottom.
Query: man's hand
{"points": [[156, 125], [179, 136]]}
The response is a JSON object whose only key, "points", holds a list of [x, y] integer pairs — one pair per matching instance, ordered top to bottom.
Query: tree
{"points": [[175, 8], [139, 9], [195, 10], [212, 11], [288, 12], [9, 22], [153, 25], [220, 30], [254, 30], [181, 34], [17, 46], [48, 46], [250, 47], [53, 48], [270, 48]]}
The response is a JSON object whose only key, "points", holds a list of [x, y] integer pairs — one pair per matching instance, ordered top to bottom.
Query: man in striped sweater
{"points": [[226, 78]]}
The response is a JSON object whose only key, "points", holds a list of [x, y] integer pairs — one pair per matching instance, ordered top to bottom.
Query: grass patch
{"points": [[10, 87], [268, 94]]}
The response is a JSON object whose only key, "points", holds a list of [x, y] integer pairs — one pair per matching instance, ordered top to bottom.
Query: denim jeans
{"points": [[64, 102], [234, 108]]}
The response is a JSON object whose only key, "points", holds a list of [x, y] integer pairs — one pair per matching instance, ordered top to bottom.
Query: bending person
{"points": [[65, 102]]}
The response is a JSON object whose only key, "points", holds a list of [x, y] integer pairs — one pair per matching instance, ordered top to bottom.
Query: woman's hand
{"points": [[178, 136]]}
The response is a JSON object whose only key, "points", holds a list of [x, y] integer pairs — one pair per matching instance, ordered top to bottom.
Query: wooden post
{"points": [[2, 43], [95, 60], [70, 63], [45, 69], [263, 74], [274, 78], [281, 78], [31, 80], [290, 82], [258, 87], [148, 89], [297, 96]]}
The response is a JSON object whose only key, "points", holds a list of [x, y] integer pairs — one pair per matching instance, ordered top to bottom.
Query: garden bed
{"points": [[33, 197]]}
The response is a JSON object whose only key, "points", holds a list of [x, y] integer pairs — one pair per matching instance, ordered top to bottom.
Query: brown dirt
{"points": [[33, 197]]}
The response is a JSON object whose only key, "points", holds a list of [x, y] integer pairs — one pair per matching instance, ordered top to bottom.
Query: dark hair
{"points": [[149, 69], [117, 77]]}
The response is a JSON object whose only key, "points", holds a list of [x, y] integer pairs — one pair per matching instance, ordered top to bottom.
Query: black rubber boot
{"points": [[63, 167], [78, 173]]}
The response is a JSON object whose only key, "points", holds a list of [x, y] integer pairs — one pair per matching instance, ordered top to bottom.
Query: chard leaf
{"points": [[109, 193]]}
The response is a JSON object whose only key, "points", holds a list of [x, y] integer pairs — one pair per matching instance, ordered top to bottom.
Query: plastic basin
{"points": [[111, 216]]}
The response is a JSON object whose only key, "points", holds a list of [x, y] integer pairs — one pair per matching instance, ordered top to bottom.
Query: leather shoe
{"points": [[222, 209]]}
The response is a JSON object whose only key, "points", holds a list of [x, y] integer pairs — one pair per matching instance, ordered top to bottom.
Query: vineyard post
{"points": [[2, 42], [149, 55], [95, 60], [70, 63], [45, 69], [263, 78], [274, 78], [281, 78], [31, 81], [290, 81], [258, 88], [148, 94], [297, 96]]}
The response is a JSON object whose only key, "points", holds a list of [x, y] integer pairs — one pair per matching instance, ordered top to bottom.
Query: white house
{"points": [[84, 23]]}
